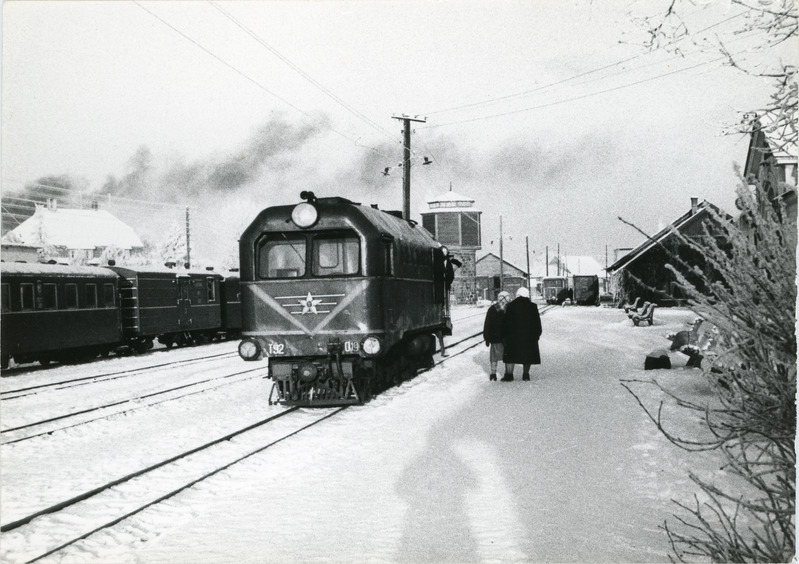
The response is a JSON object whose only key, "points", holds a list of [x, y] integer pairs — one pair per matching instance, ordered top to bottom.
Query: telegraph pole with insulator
{"points": [[406, 165]]}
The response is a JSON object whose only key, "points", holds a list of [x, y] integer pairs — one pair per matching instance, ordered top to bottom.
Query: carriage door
{"points": [[184, 302]]}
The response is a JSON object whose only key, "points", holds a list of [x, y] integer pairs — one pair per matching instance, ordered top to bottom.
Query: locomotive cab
{"points": [[343, 299]]}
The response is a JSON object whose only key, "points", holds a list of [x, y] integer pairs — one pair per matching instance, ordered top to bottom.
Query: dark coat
{"points": [[492, 327], [522, 329]]}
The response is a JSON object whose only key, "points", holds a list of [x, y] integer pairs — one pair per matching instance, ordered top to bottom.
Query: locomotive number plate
{"points": [[351, 346], [275, 349]]}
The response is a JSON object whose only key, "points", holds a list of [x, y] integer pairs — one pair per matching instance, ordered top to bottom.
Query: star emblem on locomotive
{"points": [[309, 304]]}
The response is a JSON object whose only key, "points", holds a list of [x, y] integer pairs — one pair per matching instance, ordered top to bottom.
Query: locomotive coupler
{"points": [[334, 348]]}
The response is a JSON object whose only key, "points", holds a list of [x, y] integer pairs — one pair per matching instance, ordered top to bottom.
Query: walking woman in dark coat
{"points": [[521, 330], [492, 332]]}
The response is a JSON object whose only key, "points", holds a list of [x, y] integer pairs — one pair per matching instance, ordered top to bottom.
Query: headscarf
{"points": [[522, 292], [503, 298]]}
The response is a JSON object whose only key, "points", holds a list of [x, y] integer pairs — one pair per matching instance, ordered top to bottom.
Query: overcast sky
{"points": [[550, 113]]}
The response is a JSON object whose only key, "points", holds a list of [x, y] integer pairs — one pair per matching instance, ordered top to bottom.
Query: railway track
{"points": [[33, 368], [84, 380], [57, 423], [45, 532]]}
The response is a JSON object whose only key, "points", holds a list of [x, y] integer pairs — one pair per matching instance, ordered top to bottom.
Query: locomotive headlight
{"points": [[304, 215], [371, 345], [249, 349]]}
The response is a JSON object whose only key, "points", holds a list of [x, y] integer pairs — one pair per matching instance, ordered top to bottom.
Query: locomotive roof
{"points": [[381, 222], [44, 269]]}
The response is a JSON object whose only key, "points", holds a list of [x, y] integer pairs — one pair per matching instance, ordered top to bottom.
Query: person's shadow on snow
{"points": [[437, 525]]}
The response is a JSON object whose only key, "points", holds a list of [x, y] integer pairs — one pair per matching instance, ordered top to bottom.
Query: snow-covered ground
{"points": [[448, 467]]}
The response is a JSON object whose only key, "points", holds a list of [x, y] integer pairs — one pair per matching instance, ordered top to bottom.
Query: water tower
{"points": [[455, 222]]}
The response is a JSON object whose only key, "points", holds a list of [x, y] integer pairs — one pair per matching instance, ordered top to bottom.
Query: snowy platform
{"points": [[446, 467]]}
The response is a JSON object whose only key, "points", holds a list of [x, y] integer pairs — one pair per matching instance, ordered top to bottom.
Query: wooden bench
{"points": [[631, 307], [633, 312], [645, 315]]}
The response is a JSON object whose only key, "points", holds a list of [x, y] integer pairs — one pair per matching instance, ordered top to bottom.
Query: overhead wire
{"points": [[300, 71], [586, 73], [244, 75], [566, 80], [580, 97]]}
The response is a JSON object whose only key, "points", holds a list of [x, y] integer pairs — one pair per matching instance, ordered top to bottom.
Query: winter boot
{"points": [[492, 377], [526, 377], [507, 378]]}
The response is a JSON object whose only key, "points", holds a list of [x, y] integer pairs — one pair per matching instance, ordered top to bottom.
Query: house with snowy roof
{"points": [[75, 234], [642, 272]]}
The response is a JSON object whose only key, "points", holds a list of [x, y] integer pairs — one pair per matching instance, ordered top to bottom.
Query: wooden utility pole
{"points": [[406, 164], [188, 240], [527, 247], [546, 258], [501, 259], [558, 259]]}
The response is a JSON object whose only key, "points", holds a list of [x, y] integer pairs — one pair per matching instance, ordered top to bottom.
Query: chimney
{"points": [[694, 205]]}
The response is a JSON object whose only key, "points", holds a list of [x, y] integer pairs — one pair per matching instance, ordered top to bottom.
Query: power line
{"points": [[301, 72], [248, 78], [565, 80], [589, 95]]}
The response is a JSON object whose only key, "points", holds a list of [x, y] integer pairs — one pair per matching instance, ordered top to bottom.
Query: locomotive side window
{"points": [[336, 256], [388, 256], [281, 257], [6, 292], [91, 295], [108, 295], [26, 296], [71, 296], [49, 300]]}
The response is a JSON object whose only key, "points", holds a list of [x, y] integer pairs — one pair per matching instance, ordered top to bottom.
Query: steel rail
{"points": [[106, 377]]}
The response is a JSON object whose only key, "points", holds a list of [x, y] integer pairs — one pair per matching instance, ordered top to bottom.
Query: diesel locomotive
{"points": [[344, 300]]}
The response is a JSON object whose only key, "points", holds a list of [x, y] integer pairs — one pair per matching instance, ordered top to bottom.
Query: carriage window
{"points": [[336, 256], [282, 257], [210, 289], [6, 290], [197, 291], [26, 295], [91, 295], [108, 295], [71, 296], [49, 300]]}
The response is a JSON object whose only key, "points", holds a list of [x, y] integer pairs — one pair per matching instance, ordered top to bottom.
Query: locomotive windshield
{"points": [[331, 254], [282, 256], [336, 256]]}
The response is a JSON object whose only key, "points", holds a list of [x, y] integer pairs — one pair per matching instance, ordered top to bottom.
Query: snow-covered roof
{"points": [[450, 202], [679, 224], [76, 229], [495, 257], [584, 265], [38, 269]]}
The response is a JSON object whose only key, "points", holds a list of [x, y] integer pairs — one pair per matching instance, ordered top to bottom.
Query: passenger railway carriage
{"points": [[343, 299], [176, 307], [58, 313], [63, 313]]}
